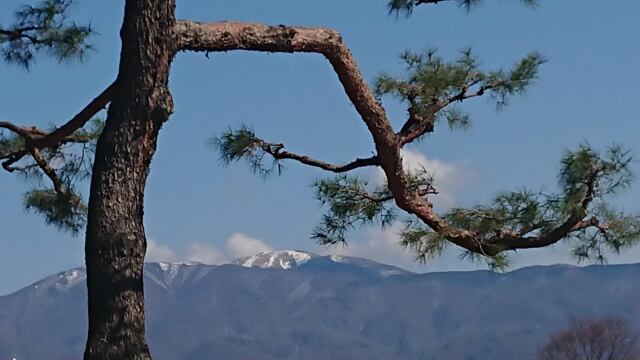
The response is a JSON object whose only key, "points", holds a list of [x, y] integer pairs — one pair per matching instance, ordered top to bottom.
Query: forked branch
{"points": [[228, 36], [33, 139]]}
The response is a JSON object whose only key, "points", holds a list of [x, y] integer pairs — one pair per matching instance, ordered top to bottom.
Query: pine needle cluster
{"points": [[407, 6], [43, 27], [71, 162]]}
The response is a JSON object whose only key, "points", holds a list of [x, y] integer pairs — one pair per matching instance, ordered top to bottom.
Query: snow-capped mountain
{"points": [[284, 259], [288, 259], [298, 305]]}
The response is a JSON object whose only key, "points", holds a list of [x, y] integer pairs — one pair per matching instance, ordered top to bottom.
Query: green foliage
{"points": [[407, 6], [44, 26], [432, 84], [505, 84], [431, 88], [10, 143], [235, 145], [71, 161], [586, 170], [586, 179], [349, 204], [509, 210], [67, 211], [616, 231], [422, 241], [427, 244], [498, 262]]}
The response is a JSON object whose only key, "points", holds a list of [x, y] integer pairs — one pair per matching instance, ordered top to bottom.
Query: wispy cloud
{"points": [[238, 245], [241, 245], [159, 252]]}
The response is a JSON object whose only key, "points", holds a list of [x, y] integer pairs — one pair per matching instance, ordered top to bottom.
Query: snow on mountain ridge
{"points": [[283, 259], [289, 259], [170, 274], [70, 278]]}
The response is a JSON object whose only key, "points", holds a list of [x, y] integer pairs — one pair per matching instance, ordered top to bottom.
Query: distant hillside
{"points": [[295, 305]]}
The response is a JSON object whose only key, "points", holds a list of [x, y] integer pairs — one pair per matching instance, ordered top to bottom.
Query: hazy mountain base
{"points": [[328, 310]]}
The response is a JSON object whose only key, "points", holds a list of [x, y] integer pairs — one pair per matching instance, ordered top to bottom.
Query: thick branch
{"points": [[227, 36], [415, 127], [24, 132], [63, 133], [37, 138], [575, 222]]}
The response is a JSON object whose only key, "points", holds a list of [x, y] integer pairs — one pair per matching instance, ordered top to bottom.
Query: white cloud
{"points": [[448, 178], [238, 245], [241, 245], [158, 252], [205, 254]]}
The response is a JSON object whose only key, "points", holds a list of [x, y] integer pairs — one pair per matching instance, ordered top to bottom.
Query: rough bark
{"points": [[115, 241]]}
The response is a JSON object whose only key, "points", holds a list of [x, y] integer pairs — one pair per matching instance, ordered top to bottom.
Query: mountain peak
{"points": [[282, 259], [290, 259]]}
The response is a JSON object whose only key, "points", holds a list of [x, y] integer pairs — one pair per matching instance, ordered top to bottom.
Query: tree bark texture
{"points": [[115, 240]]}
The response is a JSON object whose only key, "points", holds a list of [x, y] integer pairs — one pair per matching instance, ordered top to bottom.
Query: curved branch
{"points": [[228, 36], [25, 133], [63, 133], [37, 138], [277, 152], [357, 163], [58, 185]]}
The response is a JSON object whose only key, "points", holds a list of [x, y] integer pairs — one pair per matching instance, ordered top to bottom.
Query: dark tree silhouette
{"points": [[139, 102], [588, 339]]}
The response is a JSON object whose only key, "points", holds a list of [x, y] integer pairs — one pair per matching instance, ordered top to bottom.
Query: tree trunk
{"points": [[115, 242]]}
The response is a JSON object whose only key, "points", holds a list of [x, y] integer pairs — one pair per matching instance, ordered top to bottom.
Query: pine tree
{"points": [[139, 102]]}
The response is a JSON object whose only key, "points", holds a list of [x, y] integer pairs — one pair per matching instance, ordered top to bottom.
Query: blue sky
{"points": [[196, 209]]}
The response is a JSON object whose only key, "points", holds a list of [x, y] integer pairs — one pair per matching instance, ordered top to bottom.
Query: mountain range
{"points": [[298, 305]]}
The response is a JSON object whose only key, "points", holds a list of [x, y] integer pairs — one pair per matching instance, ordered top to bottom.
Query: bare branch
{"points": [[26, 133], [63, 133], [38, 138], [278, 152], [12, 159], [58, 185]]}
